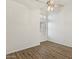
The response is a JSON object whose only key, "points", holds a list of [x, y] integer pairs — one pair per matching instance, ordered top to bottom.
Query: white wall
{"points": [[23, 27], [60, 29]]}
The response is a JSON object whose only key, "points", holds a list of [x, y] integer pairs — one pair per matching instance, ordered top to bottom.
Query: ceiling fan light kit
{"points": [[51, 5], [50, 8]]}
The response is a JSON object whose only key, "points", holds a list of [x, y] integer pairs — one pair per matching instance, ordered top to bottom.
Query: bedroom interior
{"points": [[39, 29]]}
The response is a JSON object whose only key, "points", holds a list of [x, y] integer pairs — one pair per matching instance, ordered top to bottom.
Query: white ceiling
{"points": [[35, 4]]}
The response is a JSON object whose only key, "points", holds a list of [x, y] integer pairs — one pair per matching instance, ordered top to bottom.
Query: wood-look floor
{"points": [[46, 50]]}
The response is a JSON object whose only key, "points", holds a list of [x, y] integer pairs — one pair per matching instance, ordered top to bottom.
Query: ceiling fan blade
{"points": [[41, 1], [59, 5]]}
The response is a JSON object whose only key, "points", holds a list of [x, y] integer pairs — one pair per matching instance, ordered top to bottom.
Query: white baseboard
{"points": [[62, 43], [32, 45]]}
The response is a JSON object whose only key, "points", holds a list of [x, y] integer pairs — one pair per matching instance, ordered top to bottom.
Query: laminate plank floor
{"points": [[46, 50]]}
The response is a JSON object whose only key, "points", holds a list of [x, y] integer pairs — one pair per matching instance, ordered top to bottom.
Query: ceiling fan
{"points": [[50, 4]]}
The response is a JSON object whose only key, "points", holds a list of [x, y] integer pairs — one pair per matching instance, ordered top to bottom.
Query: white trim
{"points": [[32, 45]]}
